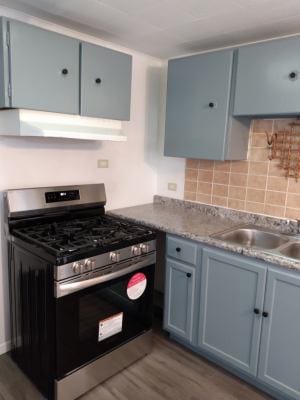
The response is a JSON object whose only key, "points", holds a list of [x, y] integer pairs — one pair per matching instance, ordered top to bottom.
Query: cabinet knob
{"points": [[64, 71], [293, 75], [98, 81], [211, 105], [178, 249], [188, 275], [256, 311], [265, 314]]}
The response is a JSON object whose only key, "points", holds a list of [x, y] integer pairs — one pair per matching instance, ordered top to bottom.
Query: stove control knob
{"points": [[145, 248], [136, 250], [114, 256], [88, 265], [76, 268]]}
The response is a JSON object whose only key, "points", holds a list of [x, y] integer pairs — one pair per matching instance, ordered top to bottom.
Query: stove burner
{"points": [[79, 235]]}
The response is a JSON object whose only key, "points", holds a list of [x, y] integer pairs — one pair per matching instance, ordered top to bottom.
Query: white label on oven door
{"points": [[136, 286], [110, 326]]}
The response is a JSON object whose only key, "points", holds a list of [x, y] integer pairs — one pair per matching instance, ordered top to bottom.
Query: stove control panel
{"points": [[88, 265]]}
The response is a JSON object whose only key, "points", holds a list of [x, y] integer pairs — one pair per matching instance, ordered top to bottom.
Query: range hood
{"points": [[19, 122]]}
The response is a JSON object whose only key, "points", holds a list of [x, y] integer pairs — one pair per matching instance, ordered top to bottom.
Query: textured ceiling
{"points": [[168, 28]]}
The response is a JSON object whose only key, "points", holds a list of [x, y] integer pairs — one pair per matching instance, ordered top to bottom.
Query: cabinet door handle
{"points": [[65, 71], [293, 75], [98, 81], [211, 104], [178, 249], [188, 275], [256, 311], [265, 314]]}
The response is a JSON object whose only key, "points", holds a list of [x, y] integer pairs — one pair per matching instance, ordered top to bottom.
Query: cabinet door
{"points": [[44, 69], [105, 82], [265, 82], [198, 105], [231, 289], [179, 299], [280, 343]]}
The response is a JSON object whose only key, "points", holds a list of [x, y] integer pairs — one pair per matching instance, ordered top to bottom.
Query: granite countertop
{"points": [[198, 222]]}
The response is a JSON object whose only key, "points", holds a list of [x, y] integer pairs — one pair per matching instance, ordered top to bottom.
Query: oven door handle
{"points": [[65, 288]]}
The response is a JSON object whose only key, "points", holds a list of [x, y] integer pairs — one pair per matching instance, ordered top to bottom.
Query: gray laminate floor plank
{"points": [[170, 372]]}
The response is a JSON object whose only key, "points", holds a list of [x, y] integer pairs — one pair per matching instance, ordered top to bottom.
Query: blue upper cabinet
{"points": [[44, 69], [268, 79], [105, 82], [198, 113], [280, 343]]}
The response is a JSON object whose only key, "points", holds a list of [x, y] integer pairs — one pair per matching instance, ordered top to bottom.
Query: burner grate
{"points": [[78, 235]]}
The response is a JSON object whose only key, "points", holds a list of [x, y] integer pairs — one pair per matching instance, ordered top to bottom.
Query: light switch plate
{"points": [[102, 164], [172, 186]]}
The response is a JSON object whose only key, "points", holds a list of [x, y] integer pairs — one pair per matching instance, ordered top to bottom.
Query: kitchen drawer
{"points": [[183, 250]]}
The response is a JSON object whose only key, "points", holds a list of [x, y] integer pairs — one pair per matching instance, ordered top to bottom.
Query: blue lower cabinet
{"points": [[232, 296], [179, 299], [279, 364]]}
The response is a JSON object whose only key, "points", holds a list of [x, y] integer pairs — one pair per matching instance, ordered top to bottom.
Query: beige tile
{"points": [[281, 124], [262, 125], [258, 140], [258, 154], [192, 163], [206, 164], [222, 166], [240, 166], [258, 168], [275, 170], [191, 174], [205, 175], [221, 177], [238, 179], [257, 181], [278, 184], [190, 186], [293, 186], [204, 188], [220, 190], [238, 193], [255, 195], [190, 196], [203, 198], [276, 198], [293, 200], [219, 201], [236, 204], [254, 207], [275, 211], [292, 213]]}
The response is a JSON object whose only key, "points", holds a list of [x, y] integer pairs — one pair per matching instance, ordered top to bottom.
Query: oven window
{"points": [[96, 320]]}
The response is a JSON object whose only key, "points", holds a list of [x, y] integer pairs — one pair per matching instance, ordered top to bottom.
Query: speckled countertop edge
{"points": [[213, 217]]}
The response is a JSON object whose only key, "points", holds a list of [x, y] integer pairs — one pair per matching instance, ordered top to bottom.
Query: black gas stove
{"points": [[75, 237], [81, 285]]}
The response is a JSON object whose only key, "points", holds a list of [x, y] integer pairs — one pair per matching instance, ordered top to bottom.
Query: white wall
{"points": [[132, 175]]}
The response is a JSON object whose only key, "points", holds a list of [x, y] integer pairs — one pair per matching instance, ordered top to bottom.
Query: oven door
{"points": [[94, 320]]}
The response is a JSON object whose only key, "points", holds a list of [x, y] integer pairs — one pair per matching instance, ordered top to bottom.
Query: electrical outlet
{"points": [[102, 164], [172, 186]]}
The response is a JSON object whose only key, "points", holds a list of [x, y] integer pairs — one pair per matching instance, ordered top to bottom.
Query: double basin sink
{"points": [[260, 238]]}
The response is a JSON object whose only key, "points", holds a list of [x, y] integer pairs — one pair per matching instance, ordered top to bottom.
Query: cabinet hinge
{"points": [[7, 38], [9, 90]]}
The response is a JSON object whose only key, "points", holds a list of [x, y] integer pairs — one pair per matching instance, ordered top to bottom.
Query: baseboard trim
{"points": [[5, 347]]}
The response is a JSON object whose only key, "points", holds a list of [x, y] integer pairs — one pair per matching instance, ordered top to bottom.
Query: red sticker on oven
{"points": [[136, 286]]}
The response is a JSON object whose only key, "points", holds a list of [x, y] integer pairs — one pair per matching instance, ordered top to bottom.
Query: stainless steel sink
{"points": [[253, 237], [291, 250]]}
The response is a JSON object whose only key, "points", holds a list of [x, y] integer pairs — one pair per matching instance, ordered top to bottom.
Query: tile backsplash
{"points": [[255, 185]]}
